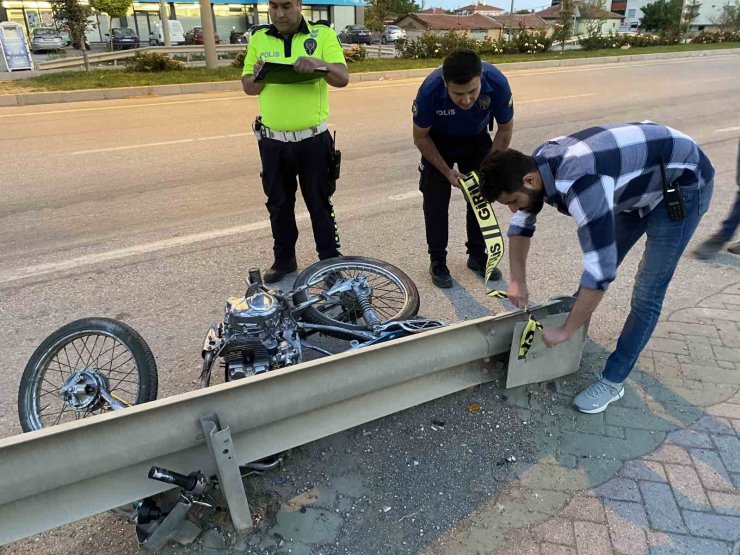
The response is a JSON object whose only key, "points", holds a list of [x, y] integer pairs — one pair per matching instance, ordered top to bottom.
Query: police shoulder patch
{"points": [[256, 28], [511, 101], [414, 108]]}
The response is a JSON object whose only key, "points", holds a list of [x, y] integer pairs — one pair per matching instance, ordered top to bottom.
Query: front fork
{"points": [[361, 289]]}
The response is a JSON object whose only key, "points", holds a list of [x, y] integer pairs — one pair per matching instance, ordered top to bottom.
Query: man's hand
{"points": [[306, 64], [257, 67], [453, 175], [518, 294], [553, 336]]}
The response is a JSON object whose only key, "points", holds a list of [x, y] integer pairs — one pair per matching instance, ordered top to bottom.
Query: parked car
{"points": [[392, 33], [355, 34], [177, 35], [195, 36], [46, 38], [122, 38]]}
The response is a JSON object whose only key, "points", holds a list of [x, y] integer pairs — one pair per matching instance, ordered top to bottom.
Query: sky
{"points": [[505, 4]]}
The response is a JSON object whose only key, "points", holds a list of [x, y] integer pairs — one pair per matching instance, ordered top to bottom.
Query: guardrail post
{"points": [[230, 477]]}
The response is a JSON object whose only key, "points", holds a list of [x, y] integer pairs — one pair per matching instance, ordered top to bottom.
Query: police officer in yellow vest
{"points": [[292, 131]]}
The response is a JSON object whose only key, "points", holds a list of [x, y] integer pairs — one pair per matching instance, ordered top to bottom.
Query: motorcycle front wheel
{"points": [[394, 296], [66, 373]]}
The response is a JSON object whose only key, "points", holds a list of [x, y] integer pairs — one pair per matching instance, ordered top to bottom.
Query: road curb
{"points": [[28, 99]]}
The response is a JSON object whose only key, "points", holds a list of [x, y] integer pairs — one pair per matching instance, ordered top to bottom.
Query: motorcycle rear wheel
{"points": [[394, 296], [85, 353]]}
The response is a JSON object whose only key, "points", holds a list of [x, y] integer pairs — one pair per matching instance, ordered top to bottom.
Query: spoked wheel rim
{"points": [[389, 296], [71, 374]]}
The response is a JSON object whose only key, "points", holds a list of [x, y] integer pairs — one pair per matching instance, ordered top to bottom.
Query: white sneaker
{"points": [[597, 396]]}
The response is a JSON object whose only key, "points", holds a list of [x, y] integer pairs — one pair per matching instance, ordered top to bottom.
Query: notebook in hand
{"points": [[273, 72]]}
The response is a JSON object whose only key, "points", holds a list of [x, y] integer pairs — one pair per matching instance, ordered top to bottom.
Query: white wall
{"points": [[710, 11], [343, 16]]}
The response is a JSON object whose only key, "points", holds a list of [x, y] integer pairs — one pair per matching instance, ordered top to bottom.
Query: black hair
{"points": [[461, 66], [503, 171]]}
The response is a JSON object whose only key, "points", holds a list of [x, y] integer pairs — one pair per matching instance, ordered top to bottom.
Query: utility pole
{"points": [[164, 16], [511, 18], [209, 39]]}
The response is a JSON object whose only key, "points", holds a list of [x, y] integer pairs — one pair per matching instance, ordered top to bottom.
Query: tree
{"points": [[113, 8], [389, 8], [523, 12], [690, 12], [662, 16], [73, 17], [375, 17], [729, 19], [595, 24], [564, 27]]}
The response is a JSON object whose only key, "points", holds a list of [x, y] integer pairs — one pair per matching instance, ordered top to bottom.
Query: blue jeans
{"points": [[730, 224], [666, 241]]}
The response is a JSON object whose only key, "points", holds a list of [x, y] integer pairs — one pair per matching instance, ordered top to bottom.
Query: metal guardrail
{"points": [[371, 51], [386, 51], [121, 55], [72, 471]]}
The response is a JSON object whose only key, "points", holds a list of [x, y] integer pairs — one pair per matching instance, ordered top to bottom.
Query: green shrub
{"points": [[716, 37], [618, 40], [432, 46], [356, 53], [239, 60], [152, 62]]}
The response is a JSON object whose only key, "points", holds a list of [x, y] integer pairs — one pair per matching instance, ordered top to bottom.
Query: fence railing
{"points": [[226, 53]]}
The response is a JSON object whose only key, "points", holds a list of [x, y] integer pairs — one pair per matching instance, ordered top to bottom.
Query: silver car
{"points": [[392, 33], [46, 38]]}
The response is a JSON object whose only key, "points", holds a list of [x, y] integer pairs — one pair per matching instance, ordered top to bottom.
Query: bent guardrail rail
{"points": [[65, 473]]}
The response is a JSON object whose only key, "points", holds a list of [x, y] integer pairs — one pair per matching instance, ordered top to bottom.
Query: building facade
{"points": [[709, 14], [228, 15], [476, 27]]}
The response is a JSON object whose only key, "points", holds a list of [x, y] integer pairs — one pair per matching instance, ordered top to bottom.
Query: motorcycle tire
{"points": [[406, 295], [76, 344]]}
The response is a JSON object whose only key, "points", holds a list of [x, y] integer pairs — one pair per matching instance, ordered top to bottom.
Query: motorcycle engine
{"points": [[258, 335]]}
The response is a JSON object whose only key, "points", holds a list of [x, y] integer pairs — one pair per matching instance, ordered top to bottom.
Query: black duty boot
{"points": [[479, 267], [279, 270], [440, 274]]}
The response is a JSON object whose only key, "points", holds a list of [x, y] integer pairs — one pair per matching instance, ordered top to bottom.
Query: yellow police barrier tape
{"points": [[486, 220], [494, 249], [525, 341]]}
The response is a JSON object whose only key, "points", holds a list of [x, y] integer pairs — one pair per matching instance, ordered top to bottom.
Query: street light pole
{"points": [[164, 16], [209, 39]]}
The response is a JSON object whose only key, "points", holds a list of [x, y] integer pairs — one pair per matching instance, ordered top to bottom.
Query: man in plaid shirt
{"points": [[609, 179]]}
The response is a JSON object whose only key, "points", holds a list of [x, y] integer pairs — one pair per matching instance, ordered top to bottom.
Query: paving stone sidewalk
{"points": [[657, 473]]}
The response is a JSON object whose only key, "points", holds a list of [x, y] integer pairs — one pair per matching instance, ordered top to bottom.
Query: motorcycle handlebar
{"points": [[187, 483]]}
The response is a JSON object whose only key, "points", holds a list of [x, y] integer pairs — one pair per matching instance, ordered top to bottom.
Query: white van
{"points": [[177, 35]]}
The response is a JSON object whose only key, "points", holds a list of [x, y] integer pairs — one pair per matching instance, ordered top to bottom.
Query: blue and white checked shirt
{"points": [[603, 171]]}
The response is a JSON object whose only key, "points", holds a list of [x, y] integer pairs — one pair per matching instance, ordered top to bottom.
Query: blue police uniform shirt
{"points": [[434, 108]]}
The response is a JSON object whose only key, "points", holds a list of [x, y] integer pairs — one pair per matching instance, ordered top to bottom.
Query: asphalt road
{"points": [[151, 211]]}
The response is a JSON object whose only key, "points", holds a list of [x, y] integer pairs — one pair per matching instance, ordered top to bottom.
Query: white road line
{"points": [[514, 74], [519, 102], [119, 107], [727, 129], [234, 135], [161, 143], [155, 246], [116, 254]]}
